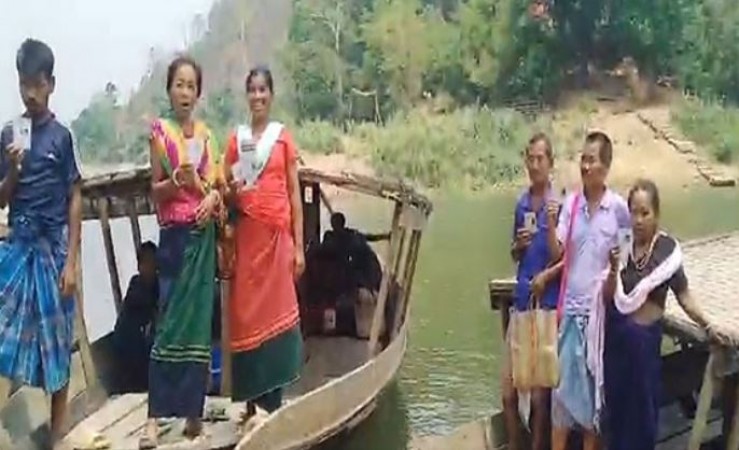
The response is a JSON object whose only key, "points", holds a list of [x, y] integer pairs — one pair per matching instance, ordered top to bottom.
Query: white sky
{"points": [[94, 41]]}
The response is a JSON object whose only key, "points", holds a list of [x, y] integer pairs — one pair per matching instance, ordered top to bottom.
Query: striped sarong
{"points": [[36, 323]]}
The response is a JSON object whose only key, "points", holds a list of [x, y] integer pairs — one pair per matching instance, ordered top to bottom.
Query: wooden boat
{"points": [[691, 366], [341, 380]]}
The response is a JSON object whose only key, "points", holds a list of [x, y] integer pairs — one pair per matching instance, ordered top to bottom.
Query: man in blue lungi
{"points": [[40, 176]]}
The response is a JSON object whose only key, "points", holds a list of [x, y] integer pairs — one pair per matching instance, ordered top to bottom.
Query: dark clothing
{"points": [[48, 171], [535, 258], [630, 276], [133, 334], [632, 384]]}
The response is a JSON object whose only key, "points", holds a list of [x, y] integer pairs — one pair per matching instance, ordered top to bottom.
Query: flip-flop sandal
{"points": [[216, 414], [163, 428], [95, 442]]}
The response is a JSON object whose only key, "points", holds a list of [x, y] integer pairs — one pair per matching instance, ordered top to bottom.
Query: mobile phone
{"points": [[529, 221]]}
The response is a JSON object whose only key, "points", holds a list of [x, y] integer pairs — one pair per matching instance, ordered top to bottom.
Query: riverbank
{"points": [[480, 150]]}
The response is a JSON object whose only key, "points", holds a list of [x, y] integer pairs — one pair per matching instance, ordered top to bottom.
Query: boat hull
{"points": [[334, 407]]}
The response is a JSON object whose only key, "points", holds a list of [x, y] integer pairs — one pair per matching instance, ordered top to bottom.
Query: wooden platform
{"points": [[712, 271], [122, 419], [489, 434]]}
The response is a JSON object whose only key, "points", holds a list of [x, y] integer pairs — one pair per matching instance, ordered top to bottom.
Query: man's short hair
{"points": [[35, 58], [605, 146]]}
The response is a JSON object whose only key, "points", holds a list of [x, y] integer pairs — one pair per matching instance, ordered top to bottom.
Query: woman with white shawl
{"points": [[633, 330]]}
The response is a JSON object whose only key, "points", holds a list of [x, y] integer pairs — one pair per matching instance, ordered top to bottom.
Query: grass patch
{"points": [[711, 125], [321, 137], [469, 149]]}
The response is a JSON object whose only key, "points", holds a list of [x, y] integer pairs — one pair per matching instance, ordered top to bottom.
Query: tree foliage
{"points": [[354, 61]]}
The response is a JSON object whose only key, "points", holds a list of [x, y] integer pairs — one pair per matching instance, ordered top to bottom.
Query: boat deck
{"points": [[122, 419]]}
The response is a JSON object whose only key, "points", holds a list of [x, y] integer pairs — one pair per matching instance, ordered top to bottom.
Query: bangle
{"points": [[175, 181]]}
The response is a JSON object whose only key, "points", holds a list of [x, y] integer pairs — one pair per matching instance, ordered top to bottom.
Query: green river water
{"points": [[450, 372]]}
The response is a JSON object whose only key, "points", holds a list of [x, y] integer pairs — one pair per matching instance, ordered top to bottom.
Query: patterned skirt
{"points": [[178, 371]]}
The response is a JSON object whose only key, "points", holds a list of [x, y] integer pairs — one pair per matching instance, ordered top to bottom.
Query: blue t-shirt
{"points": [[48, 171], [535, 258]]}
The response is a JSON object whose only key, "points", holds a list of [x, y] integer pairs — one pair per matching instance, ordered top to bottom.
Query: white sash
{"points": [[252, 159], [629, 303]]}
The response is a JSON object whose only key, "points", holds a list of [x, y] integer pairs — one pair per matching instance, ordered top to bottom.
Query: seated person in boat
{"points": [[40, 175], [186, 178], [587, 230], [345, 238], [536, 287], [635, 298], [133, 334], [266, 341]]}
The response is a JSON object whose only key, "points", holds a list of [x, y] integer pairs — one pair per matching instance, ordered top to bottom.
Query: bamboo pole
{"points": [[133, 217], [387, 279], [115, 282], [401, 311], [226, 361], [88, 365], [704, 402], [733, 438]]}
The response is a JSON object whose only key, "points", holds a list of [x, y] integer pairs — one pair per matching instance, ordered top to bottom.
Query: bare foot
{"points": [[151, 435]]}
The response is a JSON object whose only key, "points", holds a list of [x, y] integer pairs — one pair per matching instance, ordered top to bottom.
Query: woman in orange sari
{"points": [[261, 167]]}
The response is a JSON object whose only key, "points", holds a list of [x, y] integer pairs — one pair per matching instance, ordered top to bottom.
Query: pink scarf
{"points": [[626, 304]]}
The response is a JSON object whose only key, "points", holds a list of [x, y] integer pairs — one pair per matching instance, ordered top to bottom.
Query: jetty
{"points": [[692, 367]]}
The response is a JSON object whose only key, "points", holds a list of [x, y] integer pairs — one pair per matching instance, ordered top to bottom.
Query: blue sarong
{"points": [[36, 323], [632, 382], [573, 400]]}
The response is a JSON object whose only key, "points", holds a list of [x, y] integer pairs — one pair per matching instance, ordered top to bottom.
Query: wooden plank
{"points": [[133, 217], [387, 278], [115, 282], [402, 308], [226, 360], [88, 365], [704, 404], [112, 412], [130, 424], [733, 439]]}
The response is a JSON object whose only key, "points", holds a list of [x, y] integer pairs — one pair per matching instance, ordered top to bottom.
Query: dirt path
{"points": [[638, 152]]}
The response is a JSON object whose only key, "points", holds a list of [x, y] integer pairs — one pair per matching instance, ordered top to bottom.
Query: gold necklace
{"points": [[642, 261]]}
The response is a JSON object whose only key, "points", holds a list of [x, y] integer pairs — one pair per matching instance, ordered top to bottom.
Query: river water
{"points": [[450, 372]]}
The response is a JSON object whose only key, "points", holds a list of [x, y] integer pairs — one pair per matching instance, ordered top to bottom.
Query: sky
{"points": [[94, 41]]}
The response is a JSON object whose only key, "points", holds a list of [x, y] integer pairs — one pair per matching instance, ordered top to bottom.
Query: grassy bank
{"points": [[710, 125], [470, 148]]}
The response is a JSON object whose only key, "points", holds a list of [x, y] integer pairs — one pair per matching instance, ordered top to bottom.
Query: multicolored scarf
{"points": [[172, 147]]}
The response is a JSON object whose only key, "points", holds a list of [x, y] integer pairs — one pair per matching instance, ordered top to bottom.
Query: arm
{"points": [[230, 158], [9, 173], [8, 184], [163, 187], [296, 204], [75, 223], [558, 226], [377, 237], [517, 249], [550, 273], [609, 286], [690, 306]]}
